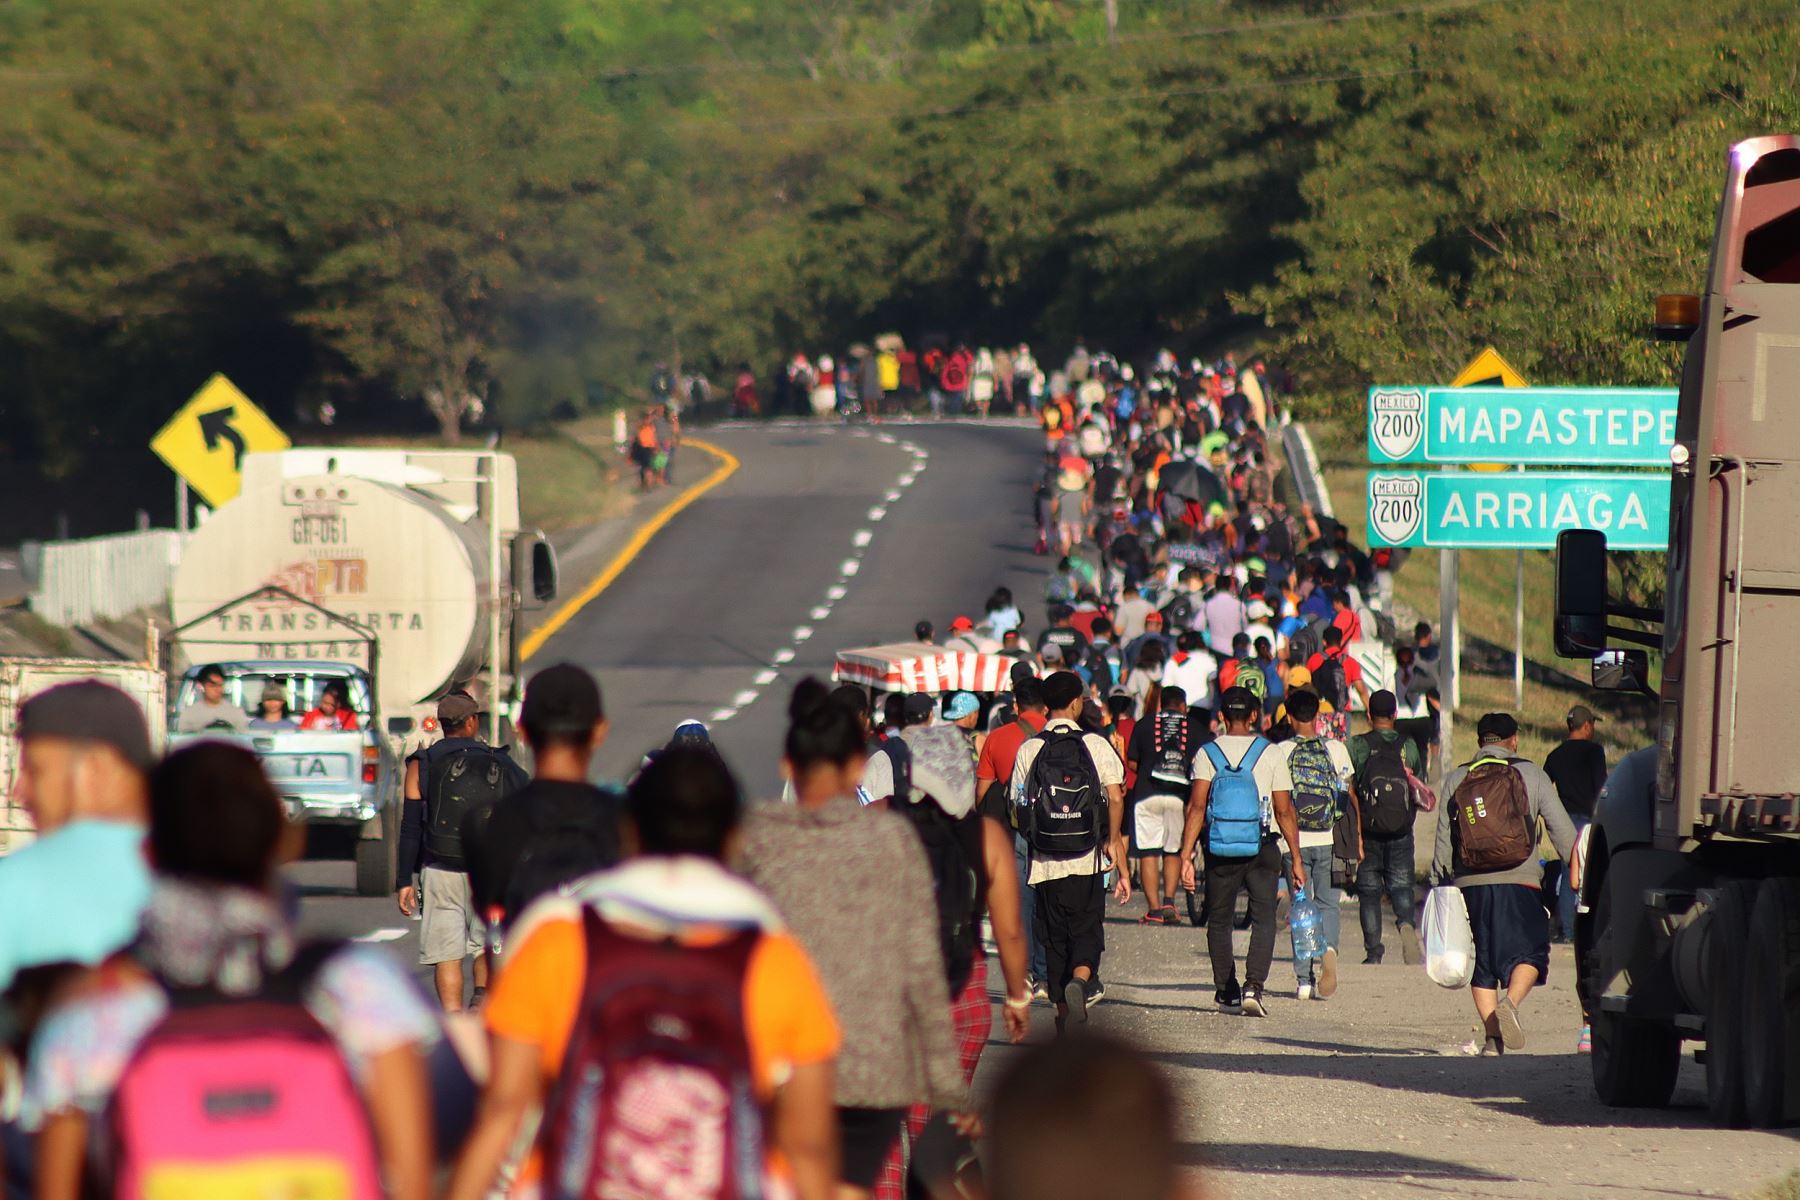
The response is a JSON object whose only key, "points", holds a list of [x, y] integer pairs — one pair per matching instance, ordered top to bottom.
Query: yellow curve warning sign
{"points": [[206, 441]]}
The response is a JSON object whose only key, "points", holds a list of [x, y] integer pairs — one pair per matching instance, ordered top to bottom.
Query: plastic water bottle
{"points": [[1303, 923]]}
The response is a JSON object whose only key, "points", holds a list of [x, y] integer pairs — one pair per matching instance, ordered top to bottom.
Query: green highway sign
{"points": [[1602, 427], [1517, 509]]}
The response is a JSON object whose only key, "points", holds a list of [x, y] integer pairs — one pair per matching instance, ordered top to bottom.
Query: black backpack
{"points": [[1178, 614], [1307, 641], [1331, 682], [1171, 752], [900, 755], [461, 782], [1383, 788], [1063, 797], [953, 848], [559, 850]]}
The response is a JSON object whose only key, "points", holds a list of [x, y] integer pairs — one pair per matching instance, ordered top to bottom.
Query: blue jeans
{"points": [[1387, 869], [1322, 898], [1040, 965]]}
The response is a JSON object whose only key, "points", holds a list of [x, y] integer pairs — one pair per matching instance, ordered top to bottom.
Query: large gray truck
{"points": [[1692, 875]]}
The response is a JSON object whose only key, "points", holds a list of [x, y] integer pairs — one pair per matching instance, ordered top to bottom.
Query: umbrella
{"points": [[1191, 481]]}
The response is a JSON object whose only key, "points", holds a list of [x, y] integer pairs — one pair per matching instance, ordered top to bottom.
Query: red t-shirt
{"points": [[1349, 624], [1352, 668], [342, 721], [1001, 750]]}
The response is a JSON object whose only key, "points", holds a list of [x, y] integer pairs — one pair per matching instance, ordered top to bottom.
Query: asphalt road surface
{"points": [[761, 581], [1363, 1096]]}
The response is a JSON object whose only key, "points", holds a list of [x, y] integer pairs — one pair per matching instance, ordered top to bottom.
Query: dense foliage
{"points": [[406, 207]]}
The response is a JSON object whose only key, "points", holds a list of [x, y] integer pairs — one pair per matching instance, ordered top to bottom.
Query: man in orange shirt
{"points": [[995, 766], [545, 1015]]}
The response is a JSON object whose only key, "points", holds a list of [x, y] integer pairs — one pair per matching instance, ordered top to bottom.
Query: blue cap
{"points": [[961, 705]]}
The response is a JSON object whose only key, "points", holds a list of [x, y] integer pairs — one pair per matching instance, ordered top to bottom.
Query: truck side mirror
{"points": [[534, 566], [543, 570], [1580, 630], [1621, 670]]}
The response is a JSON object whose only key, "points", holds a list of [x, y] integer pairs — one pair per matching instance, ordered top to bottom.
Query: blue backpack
{"points": [[1234, 808]]}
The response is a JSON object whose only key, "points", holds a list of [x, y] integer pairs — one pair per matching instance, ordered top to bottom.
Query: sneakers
{"points": [[1410, 951], [1372, 958], [1326, 975], [1038, 990], [1096, 991], [1304, 992], [1229, 998], [1075, 999], [1253, 1001], [1512, 1034], [1585, 1043], [1478, 1047]]}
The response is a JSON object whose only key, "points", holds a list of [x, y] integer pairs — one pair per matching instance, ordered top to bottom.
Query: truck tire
{"points": [[376, 858], [1728, 937], [1772, 1005], [1635, 1062]]}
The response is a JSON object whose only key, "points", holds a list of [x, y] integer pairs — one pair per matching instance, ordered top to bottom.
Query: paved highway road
{"points": [[825, 537]]}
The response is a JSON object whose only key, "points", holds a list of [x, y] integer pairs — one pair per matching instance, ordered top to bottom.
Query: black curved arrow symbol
{"points": [[215, 426]]}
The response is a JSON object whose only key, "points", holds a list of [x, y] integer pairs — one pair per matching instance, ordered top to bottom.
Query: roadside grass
{"points": [[569, 474], [1488, 580], [1787, 1187]]}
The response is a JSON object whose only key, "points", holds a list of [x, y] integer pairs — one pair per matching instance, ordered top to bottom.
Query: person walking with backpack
{"points": [[1335, 675], [1162, 747], [1382, 758], [993, 780], [445, 782], [1069, 788], [1323, 791], [1242, 795], [559, 827], [1487, 840], [972, 874], [878, 949], [660, 1008], [221, 1055]]}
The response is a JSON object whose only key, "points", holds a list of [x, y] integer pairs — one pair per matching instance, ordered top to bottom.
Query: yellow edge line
{"points": [[728, 464]]}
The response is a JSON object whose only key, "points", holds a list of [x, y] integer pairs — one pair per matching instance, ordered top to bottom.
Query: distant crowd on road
{"points": [[659, 989]]}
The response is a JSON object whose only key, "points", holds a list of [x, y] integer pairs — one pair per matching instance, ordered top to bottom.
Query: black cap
{"points": [[561, 699], [1239, 702], [1383, 705], [456, 707], [919, 707], [89, 711], [1580, 715], [1496, 727]]}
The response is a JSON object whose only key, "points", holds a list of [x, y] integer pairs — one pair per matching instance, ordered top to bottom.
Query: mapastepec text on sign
{"points": [[1616, 427], [206, 441], [1517, 510]]}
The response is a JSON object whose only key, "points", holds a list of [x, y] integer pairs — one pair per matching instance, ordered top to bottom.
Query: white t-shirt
{"points": [[1197, 675], [1340, 762], [1106, 765], [1271, 771]]}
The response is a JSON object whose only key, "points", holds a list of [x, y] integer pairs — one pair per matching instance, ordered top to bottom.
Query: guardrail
{"points": [[1303, 466], [104, 578]]}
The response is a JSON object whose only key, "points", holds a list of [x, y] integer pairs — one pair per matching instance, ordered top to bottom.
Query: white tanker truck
{"points": [[390, 575]]}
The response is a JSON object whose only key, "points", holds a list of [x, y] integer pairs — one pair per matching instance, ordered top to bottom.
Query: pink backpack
{"points": [[242, 1097], [655, 1097]]}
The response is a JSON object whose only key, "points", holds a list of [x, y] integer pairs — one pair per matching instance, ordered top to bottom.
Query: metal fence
{"points": [[1303, 464], [105, 578]]}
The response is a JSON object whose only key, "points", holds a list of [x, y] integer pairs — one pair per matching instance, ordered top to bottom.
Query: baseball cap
{"points": [[1259, 610], [1153, 618], [961, 625], [1051, 652], [1298, 677], [273, 691], [559, 699], [1239, 702], [961, 705], [919, 707], [456, 708], [89, 711], [1580, 715], [1496, 727]]}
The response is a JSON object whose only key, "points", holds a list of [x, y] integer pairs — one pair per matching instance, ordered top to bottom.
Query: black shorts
{"points": [[1069, 919], [1511, 928], [867, 1135]]}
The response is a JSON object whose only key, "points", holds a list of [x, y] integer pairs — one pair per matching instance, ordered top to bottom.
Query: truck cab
{"points": [[345, 773], [1692, 880]]}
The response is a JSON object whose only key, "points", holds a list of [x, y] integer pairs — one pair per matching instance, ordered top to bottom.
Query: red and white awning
{"points": [[917, 667]]}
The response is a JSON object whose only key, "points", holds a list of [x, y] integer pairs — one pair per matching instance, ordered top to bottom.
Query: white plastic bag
{"points": [[1449, 943]]}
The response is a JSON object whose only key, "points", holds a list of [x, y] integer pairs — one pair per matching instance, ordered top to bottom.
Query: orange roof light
{"points": [[1677, 317]]}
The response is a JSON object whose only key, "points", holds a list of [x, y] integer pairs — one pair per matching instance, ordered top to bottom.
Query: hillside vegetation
{"points": [[408, 208]]}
